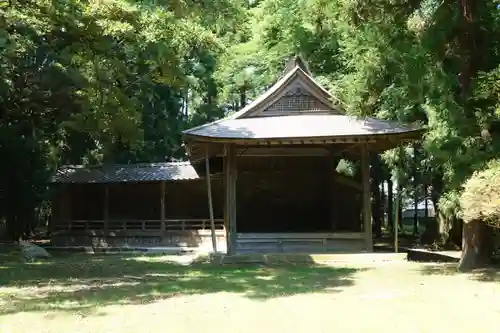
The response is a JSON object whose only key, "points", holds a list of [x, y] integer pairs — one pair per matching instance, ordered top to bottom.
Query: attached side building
{"points": [[139, 205]]}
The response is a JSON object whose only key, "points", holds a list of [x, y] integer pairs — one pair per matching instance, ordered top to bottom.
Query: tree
{"points": [[410, 61], [424, 61], [94, 81], [481, 212]]}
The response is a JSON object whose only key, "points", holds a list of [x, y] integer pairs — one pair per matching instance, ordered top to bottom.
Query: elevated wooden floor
{"points": [[200, 241], [247, 243]]}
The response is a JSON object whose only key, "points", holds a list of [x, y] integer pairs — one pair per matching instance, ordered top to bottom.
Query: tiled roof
{"points": [[297, 107], [299, 127], [122, 173]]}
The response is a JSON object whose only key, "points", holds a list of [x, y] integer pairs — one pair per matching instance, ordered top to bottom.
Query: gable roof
{"points": [[297, 76], [297, 107], [298, 127], [124, 173]]}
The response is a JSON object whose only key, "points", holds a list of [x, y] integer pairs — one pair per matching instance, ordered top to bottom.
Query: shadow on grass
{"points": [[491, 274], [82, 283]]}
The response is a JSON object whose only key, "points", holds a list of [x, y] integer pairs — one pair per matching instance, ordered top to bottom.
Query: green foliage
{"points": [[428, 62], [118, 80], [100, 81], [346, 167], [481, 196]]}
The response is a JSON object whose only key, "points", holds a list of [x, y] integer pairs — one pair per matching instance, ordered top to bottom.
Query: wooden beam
{"points": [[363, 139], [346, 149], [343, 150], [283, 151], [332, 173], [234, 176], [341, 179], [230, 197], [226, 199], [399, 200], [210, 202], [63, 203], [367, 205], [106, 207], [162, 207]]}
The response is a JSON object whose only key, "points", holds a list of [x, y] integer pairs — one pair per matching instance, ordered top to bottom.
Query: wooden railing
{"points": [[139, 225]]}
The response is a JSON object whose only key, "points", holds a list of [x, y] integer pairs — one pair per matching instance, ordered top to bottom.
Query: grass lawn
{"points": [[125, 294]]}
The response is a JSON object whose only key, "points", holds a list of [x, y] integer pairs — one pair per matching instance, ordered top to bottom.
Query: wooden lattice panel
{"points": [[297, 100]]}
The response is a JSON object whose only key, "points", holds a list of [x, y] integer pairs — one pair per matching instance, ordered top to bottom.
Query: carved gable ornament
{"points": [[298, 95], [296, 100]]}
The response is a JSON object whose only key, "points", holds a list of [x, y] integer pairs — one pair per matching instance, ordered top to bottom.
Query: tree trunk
{"points": [[243, 97], [415, 190], [390, 201], [376, 202], [383, 203], [426, 203], [400, 209], [376, 212], [415, 215], [434, 227], [14, 229], [456, 233], [477, 246]]}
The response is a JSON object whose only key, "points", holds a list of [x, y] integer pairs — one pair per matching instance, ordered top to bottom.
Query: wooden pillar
{"points": [[333, 165], [225, 169], [415, 192], [230, 197], [399, 199], [210, 202], [367, 205], [62, 206], [106, 207], [162, 207], [55, 209], [66, 215], [396, 220]]}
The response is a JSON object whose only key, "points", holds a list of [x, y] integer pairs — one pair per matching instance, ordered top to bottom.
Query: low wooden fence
{"points": [[138, 225]]}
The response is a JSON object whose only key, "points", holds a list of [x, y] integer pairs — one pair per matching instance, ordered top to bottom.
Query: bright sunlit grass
{"points": [[125, 294]]}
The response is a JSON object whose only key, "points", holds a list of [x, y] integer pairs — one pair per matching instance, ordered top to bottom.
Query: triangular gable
{"points": [[295, 88], [295, 93]]}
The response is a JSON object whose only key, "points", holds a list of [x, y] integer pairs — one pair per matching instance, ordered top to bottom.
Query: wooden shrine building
{"points": [[283, 189], [139, 205]]}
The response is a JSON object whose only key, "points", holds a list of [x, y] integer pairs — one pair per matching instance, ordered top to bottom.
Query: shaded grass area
{"points": [[10, 252], [491, 274], [81, 283]]}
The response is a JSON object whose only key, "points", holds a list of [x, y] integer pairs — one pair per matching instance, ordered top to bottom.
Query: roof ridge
{"points": [[296, 60], [124, 165]]}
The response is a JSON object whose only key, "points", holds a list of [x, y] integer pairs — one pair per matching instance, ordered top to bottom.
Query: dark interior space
{"points": [[293, 194], [185, 199], [189, 199], [86, 201], [134, 201], [348, 206]]}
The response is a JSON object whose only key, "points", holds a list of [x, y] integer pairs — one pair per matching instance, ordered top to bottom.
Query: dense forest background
{"points": [[116, 81]]}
